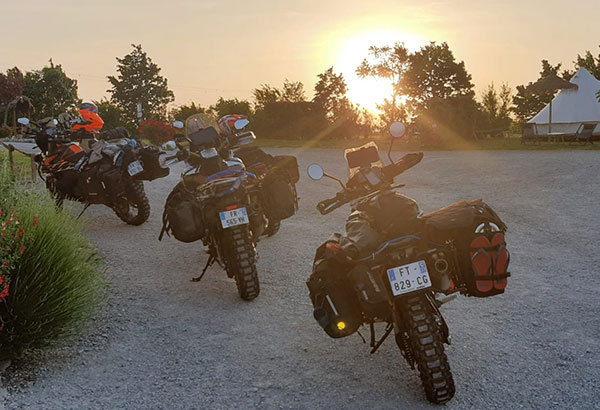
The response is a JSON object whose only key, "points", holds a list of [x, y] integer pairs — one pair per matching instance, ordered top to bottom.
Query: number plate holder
{"points": [[135, 168], [234, 217], [409, 278]]}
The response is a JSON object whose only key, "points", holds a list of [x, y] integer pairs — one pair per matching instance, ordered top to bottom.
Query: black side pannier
{"points": [[252, 155], [149, 157], [286, 164], [279, 198], [182, 216], [477, 233], [336, 307]]}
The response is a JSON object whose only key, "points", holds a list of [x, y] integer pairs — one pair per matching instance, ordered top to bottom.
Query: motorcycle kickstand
{"points": [[87, 205], [209, 262], [388, 330]]}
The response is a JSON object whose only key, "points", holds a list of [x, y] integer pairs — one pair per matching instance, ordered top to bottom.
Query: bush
{"points": [[158, 132], [52, 272]]}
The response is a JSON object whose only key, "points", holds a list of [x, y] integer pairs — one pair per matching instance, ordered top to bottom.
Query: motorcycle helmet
{"points": [[91, 120], [227, 123]]}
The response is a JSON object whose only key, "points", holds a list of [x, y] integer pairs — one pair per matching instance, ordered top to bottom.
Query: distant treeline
{"points": [[432, 93]]}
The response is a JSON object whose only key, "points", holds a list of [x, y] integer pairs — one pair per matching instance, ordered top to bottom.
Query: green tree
{"points": [[589, 62], [390, 63], [434, 74], [139, 82], [11, 85], [51, 90], [293, 91], [330, 94], [265, 95], [527, 104], [233, 106], [495, 107], [184, 111], [110, 113]]}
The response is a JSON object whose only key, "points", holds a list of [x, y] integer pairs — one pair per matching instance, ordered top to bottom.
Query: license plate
{"points": [[135, 168], [234, 217], [408, 278]]}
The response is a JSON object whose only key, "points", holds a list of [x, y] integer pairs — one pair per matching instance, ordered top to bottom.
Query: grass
{"points": [[404, 145], [22, 163], [57, 283]]}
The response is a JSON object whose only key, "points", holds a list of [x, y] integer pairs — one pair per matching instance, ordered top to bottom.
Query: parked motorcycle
{"points": [[111, 172], [278, 174], [218, 202], [397, 266]]}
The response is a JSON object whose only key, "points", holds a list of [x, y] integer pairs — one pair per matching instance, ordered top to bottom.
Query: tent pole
{"points": [[550, 121]]}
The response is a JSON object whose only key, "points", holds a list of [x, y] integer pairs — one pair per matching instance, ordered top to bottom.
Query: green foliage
{"points": [[589, 62], [434, 74], [139, 81], [11, 85], [51, 90], [293, 91], [330, 94], [265, 95], [527, 104], [233, 106], [496, 107], [184, 111], [110, 113], [56, 284]]}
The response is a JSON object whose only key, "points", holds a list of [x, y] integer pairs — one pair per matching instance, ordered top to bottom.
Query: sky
{"points": [[208, 49]]}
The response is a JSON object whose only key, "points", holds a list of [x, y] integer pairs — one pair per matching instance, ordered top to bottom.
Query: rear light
{"points": [[229, 208]]}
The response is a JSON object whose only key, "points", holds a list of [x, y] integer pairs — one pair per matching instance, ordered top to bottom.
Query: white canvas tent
{"points": [[571, 108]]}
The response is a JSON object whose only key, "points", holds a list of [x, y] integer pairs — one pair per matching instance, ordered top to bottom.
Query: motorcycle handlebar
{"points": [[390, 171]]}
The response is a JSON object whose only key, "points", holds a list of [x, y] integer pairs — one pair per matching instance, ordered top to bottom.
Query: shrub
{"points": [[158, 132], [53, 274]]}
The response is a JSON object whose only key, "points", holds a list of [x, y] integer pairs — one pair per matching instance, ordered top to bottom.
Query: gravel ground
{"points": [[164, 342]]}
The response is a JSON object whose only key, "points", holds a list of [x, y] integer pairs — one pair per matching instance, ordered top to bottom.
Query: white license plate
{"points": [[135, 168], [234, 217], [408, 278]]}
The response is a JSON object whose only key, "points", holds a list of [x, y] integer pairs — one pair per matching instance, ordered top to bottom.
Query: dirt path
{"points": [[164, 342]]}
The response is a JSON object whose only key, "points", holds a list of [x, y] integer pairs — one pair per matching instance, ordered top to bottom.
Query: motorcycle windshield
{"points": [[198, 122], [366, 155]]}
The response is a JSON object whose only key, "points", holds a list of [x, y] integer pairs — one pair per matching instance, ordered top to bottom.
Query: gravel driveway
{"points": [[166, 343]]}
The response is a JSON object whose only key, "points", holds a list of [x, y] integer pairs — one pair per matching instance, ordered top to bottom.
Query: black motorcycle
{"points": [[109, 171], [218, 202], [397, 266]]}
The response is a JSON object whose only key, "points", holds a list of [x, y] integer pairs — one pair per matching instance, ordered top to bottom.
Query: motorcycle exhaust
{"points": [[441, 266]]}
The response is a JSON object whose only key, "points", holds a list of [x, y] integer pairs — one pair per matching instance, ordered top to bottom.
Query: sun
{"points": [[367, 92]]}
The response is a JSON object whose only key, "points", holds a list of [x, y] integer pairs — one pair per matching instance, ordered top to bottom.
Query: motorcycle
{"points": [[111, 172], [278, 174], [218, 202], [398, 266]]}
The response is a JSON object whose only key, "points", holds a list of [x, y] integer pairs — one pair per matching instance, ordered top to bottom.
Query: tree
{"points": [[589, 62], [390, 63], [434, 74], [139, 82], [11, 85], [51, 90], [293, 91], [330, 94], [265, 95], [527, 104], [233, 106], [496, 106], [184, 111], [110, 113]]}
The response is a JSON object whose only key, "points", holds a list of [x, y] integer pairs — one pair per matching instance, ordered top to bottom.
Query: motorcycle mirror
{"points": [[23, 121], [178, 124], [240, 124], [397, 129], [169, 145], [315, 172]]}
